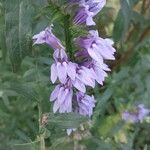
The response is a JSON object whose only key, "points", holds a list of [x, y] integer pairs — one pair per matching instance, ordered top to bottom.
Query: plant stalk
{"points": [[68, 35], [42, 140]]}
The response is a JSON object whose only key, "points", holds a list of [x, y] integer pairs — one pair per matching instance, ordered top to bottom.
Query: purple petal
{"points": [[89, 21], [95, 55], [71, 70], [62, 71], [53, 73], [86, 79], [79, 85], [54, 94], [62, 95], [67, 105], [55, 106]]}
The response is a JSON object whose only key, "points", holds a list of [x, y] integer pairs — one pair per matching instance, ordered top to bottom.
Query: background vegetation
{"points": [[25, 86]]}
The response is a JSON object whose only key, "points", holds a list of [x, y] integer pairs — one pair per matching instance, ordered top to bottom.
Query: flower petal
{"points": [[95, 55], [71, 70], [62, 72], [53, 73], [79, 85], [54, 94]]}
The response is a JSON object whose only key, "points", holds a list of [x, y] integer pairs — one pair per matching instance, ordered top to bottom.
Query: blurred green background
{"points": [[24, 78]]}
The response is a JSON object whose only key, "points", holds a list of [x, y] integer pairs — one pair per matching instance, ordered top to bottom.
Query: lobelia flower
{"points": [[96, 5], [87, 10], [84, 16], [49, 38], [97, 47], [62, 67], [90, 68], [99, 70], [80, 76], [84, 76], [62, 97], [86, 104], [142, 112], [139, 115], [128, 116]]}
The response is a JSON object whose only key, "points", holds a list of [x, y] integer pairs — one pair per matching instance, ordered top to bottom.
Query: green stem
{"points": [[68, 35], [41, 136], [42, 141]]}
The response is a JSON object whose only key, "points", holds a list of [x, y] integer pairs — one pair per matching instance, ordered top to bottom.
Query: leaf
{"points": [[138, 18], [123, 19], [25, 24], [18, 30], [118, 30], [2, 31], [24, 90], [102, 101], [66, 120], [107, 124], [58, 142], [93, 143], [27, 146]]}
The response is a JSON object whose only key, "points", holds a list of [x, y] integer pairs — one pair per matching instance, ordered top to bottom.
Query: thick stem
{"points": [[68, 35]]}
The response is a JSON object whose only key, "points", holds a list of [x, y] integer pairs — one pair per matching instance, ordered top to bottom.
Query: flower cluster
{"points": [[70, 94], [137, 116]]}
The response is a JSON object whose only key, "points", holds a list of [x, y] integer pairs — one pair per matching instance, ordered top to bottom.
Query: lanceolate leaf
{"points": [[123, 19], [2, 30], [18, 30], [25, 31], [26, 91], [66, 120]]}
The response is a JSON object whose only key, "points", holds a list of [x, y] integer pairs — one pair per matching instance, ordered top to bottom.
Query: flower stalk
{"points": [[68, 35], [86, 69], [42, 140]]}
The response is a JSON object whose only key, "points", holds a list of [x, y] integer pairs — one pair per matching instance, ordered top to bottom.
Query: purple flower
{"points": [[95, 6], [87, 10], [84, 16], [49, 38], [97, 47], [90, 66], [61, 68], [99, 70], [80, 76], [84, 77], [62, 97], [86, 104], [142, 112], [128, 116], [137, 116]]}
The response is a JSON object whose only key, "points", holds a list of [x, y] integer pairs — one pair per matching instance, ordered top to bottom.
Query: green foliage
{"points": [[24, 78], [66, 121]]}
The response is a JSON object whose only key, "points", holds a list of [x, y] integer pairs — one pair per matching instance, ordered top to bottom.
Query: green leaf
{"points": [[138, 18], [123, 19], [25, 25], [18, 30], [118, 30], [2, 31], [26, 91], [102, 101], [66, 120], [58, 142], [27, 146]]}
